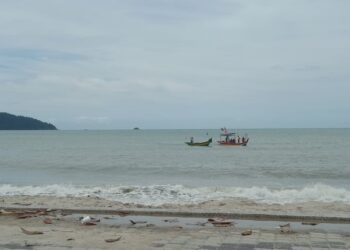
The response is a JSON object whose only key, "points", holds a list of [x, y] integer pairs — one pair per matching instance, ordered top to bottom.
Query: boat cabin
{"points": [[233, 139]]}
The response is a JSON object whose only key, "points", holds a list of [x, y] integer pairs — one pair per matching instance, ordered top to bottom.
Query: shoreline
{"points": [[233, 208]]}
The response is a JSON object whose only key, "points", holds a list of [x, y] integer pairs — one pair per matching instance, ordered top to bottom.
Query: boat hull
{"points": [[229, 143], [201, 144]]}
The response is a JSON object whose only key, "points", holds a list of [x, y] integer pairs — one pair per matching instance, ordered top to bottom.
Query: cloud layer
{"points": [[176, 64]]}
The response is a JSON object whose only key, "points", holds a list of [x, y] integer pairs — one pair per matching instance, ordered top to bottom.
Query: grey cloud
{"points": [[38, 54], [175, 63]]}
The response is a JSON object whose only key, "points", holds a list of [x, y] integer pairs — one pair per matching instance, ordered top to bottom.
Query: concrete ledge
{"points": [[193, 214]]}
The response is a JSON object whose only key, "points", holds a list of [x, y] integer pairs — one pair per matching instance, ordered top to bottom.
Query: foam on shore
{"points": [[178, 194]]}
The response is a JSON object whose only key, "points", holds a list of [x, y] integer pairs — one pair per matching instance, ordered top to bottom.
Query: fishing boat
{"points": [[232, 139], [205, 143]]}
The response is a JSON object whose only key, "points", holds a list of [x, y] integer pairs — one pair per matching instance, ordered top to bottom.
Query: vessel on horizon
{"points": [[232, 139], [205, 143]]}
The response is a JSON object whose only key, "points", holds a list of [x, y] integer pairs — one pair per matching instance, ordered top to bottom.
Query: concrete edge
{"points": [[171, 213]]}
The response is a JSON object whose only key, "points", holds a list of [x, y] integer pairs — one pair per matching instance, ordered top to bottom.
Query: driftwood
{"points": [[22, 204], [4, 212], [30, 213], [122, 213], [24, 214], [171, 220], [47, 221], [137, 222], [220, 222], [309, 223], [89, 224], [202, 224], [30, 232], [247, 232], [113, 240]]}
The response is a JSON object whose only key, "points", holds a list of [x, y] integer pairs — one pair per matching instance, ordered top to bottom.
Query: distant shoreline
{"points": [[14, 122]]}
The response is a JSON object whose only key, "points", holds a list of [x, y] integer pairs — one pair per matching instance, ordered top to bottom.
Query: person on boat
{"points": [[192, 139], [238, 139], [243, 140]]}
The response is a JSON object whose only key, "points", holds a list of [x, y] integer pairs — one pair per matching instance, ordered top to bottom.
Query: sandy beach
{"points": [[57, 225]]}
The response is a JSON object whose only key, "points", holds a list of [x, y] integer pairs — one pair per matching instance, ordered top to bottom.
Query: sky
{"points": [[115, 64]]}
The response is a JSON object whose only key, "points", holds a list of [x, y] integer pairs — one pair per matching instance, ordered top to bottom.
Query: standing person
{"points": [[191, 139], [238, 139]]}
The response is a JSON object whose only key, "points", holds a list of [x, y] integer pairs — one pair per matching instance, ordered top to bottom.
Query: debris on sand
{"points": [[22, 204], [4, 212], [30, 213], [122, 213], [23, 214], [171, 220], [47, 221], [89, 221], [137, 222], [220, 222], [309, 223], [202, 224], [285, 228], [28, 232], [247, 232], [113, 240], [26, 244], [158, 244]]}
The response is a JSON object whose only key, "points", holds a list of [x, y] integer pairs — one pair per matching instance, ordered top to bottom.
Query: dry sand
{"points": [[66, 231]]}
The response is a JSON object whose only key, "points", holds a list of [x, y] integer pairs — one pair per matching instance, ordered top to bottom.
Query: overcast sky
{"points": [[176, 64]]}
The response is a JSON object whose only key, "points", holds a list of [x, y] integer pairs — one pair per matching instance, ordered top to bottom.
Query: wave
{"points": [[178, 194]]}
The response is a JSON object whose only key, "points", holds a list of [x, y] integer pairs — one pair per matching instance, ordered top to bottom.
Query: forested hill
{"points": [[13, 122]]}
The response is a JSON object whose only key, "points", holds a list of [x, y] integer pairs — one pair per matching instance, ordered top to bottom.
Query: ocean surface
{"points": [[156, 167]]}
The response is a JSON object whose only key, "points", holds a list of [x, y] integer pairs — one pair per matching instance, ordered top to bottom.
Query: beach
{"points": [[125, 227]]}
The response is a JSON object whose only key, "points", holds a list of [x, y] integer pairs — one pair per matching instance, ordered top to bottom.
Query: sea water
{"points": [[156, 166]]}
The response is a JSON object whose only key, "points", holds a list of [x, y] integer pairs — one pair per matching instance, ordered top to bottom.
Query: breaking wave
{"points": [[178, 194]]}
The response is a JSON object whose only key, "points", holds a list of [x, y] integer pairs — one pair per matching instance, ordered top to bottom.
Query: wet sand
{"points": [[233, 206]]}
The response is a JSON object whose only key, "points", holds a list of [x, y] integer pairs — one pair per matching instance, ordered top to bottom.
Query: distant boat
{"points": [[136, 128], [232, 139], [205, 143]]}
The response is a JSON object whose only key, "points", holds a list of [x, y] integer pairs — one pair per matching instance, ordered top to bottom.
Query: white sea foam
{"points": [[178, 194]]}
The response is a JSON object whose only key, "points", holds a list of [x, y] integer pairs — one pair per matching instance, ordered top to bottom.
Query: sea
{"points": [[155, 167]]}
